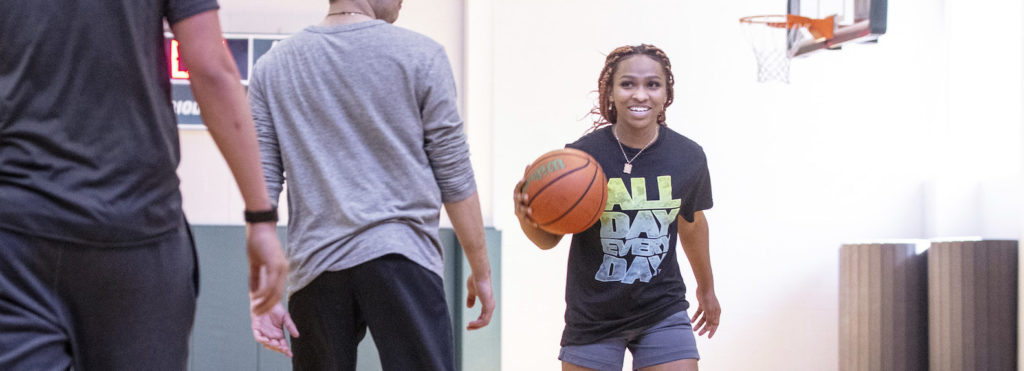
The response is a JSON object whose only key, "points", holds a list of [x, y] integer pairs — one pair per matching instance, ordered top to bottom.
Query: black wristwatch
{"points": [[261, 216]]}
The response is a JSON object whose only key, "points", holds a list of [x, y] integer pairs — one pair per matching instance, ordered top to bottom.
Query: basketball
{"points": [[566, 191]]}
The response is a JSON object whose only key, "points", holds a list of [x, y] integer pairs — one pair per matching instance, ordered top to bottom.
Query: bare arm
{"points": [[225, 111], [469, 229], [694, 238], [543, 239]]}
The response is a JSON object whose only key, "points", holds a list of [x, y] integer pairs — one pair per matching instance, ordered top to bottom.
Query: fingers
{"points": [[517, 191], [518, 197], [521, 202], [522, 210], [486, 296], [487, 310], [483, 320], [698, 320], [705, 322], [479, 323], [712, 324], [291, 325], [701, 326], [268, 329], [260, 338], [276, 343], [279, 346]]}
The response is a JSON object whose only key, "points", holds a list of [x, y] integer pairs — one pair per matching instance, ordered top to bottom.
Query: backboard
{"points": [[856, 21]]}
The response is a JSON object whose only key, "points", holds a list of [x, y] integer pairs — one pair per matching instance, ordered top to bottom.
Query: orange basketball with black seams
{"points": [[566, 190]]}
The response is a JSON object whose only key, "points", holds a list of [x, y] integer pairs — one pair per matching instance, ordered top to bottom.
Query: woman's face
{"points": [[638, 92]]}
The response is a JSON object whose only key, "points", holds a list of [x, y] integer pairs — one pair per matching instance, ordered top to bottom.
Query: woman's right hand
{"points": [[522, 204], [543, 239]]}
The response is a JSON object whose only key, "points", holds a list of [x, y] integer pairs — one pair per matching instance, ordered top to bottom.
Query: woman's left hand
{"points": [[705, 319]]}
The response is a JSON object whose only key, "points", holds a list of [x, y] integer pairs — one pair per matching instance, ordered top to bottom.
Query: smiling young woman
{"points": [[638, 95], [624, 289]]}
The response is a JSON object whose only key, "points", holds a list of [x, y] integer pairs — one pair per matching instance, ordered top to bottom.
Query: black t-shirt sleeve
{"points": [[178, 10], [699, 197]]}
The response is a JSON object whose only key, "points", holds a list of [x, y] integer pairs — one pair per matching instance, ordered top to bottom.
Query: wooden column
{"points": [[972, 300], [882, 308]]}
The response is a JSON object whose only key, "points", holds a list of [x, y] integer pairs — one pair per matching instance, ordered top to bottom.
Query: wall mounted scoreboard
{"points": [[245, 49]]}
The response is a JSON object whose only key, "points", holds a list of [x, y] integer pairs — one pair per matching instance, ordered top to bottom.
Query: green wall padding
{"points": [[222, 338]]}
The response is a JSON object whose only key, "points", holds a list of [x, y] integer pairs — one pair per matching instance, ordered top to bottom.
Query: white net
{"points": [[770, 39]]}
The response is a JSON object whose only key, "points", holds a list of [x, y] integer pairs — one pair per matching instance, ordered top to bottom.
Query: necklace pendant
{"points": [[627, 168]]}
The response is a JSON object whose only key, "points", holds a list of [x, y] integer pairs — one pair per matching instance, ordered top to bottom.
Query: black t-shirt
{"points": [[88, 140], [623, 272]]}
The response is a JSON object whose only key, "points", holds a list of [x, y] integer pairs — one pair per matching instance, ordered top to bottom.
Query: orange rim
{"points": [[819, 28]]}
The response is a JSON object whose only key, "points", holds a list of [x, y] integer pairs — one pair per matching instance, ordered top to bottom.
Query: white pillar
{"points": [[478, 93]]}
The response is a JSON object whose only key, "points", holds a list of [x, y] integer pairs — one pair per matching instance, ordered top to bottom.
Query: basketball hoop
{"points": [[772, 35]]}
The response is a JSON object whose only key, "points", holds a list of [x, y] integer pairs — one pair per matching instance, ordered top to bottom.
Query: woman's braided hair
{"points": [[605, 110]]}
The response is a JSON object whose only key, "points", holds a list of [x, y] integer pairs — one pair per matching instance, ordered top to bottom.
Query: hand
{"points": [[521, 201], [543, 239], [267, 267], [480, 289], [708, 312], [268, 329]]}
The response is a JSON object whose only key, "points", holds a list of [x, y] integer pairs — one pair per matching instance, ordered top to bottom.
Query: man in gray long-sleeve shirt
{"points": [[361, 117]]}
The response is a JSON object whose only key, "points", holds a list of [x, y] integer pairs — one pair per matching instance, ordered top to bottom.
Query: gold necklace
{"points": [[628, 167]]}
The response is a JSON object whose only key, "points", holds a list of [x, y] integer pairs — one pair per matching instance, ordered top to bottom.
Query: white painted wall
{"points": [[918, 136], [915, 137], [210, 195]]}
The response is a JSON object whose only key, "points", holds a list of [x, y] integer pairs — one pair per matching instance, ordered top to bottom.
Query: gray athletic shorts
{"points": [[667, 341]]}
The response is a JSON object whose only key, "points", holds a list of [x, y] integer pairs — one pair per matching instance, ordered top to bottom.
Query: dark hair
{"points": [[604, 111]]}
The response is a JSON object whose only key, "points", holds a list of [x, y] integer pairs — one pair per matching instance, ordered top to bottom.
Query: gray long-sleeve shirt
{"points": [[363, 122]]}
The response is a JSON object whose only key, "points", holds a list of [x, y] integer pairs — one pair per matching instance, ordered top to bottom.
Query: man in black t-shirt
{"points": [[97, 267]]}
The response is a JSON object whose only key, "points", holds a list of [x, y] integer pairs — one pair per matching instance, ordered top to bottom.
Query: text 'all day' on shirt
{"points": [[623, 271]]}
